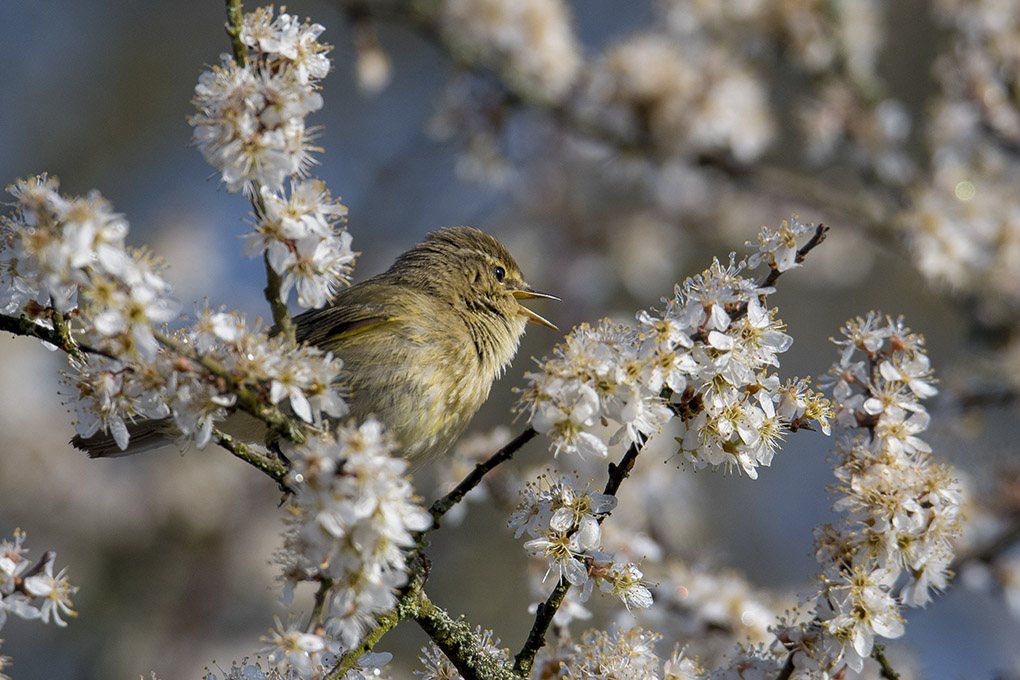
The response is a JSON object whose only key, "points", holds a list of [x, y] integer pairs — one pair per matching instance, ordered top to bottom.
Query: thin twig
{"points": [[234, 14], [821, 231], [620, 472], [443, 505], [547, 610], [525, 658], [788, 668]]}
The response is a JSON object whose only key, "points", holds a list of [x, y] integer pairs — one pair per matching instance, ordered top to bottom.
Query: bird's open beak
{"points": [[530, 315]]}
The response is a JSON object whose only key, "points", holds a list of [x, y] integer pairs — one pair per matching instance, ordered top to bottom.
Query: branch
{"points": [[234, 13], [58, 336], [269, 465], [618, 473], [443, 505], [406, 602], [547, 610], [459, 643], [525, 658], [788, 668], [887, 671]]}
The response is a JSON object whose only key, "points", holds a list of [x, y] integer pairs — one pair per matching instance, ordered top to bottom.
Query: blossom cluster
{"points": [[250, 123], [250, 126], [299, 236], [67, 254], [64, 258], [704, 359], [902, 510], [352, 514], [565, 526], [31, 592]]}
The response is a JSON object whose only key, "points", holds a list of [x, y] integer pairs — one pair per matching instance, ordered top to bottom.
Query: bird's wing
{"points": [[321, 326]]}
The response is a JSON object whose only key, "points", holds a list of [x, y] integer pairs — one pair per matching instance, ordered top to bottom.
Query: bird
{"points": [[421, 345]]}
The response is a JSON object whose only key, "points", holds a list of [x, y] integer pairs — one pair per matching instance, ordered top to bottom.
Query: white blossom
{"points": [[250, 120], [353, 514], [32, 592]]}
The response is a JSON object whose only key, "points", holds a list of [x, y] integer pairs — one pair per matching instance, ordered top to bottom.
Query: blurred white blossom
{"points": [[531, 42], [689, 98]]}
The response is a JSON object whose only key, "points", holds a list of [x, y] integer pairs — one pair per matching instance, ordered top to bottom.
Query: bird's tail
{"points": [[145, 435]]}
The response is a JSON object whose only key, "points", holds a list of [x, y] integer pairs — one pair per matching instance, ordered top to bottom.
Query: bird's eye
{"points": [[500, 273]]}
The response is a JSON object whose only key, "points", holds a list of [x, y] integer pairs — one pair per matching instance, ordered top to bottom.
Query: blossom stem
{"points": [[234, 15], [274, 282], [281, 315], [443, 505], [315, 619], [887, 671]]}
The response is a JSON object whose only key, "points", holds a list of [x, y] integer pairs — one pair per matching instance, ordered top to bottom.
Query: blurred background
{"points": [[173, 553]]}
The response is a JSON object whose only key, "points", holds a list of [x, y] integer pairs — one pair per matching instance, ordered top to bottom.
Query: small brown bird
{"points": [[421, 344]]}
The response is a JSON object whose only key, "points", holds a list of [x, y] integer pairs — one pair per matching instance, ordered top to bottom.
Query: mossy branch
{"points": [[234, 13], [271, 466], [459, 643], [886, 669]]}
